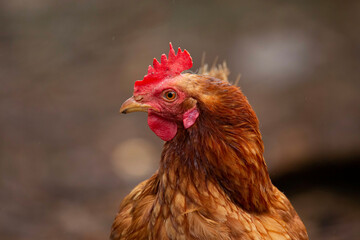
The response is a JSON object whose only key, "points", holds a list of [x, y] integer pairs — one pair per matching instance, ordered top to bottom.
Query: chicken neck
{"points": [[219, 156]]}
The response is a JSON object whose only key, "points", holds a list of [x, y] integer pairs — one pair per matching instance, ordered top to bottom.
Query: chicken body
{"points": [[212, 182], [143, 215]]}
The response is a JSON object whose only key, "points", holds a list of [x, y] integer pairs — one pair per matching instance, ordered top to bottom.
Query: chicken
{"points": [[212, 182]]}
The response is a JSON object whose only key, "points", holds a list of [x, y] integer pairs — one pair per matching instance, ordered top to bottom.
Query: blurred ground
{"points": [[67, 157]]}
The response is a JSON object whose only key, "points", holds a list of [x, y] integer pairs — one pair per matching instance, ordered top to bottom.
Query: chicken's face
{"points": [[162, 94], [168, 105]]}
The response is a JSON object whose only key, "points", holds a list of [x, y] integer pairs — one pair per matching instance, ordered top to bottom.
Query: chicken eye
{"points": [[169, 95]]}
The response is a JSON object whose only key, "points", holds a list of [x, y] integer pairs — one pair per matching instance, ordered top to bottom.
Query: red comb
{"points": [[169, 67]]}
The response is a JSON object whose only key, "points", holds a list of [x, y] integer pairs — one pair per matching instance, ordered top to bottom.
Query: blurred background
{"points": [[67, 157]]}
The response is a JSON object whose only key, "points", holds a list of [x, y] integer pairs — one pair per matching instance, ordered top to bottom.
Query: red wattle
{"points": [[164, 129]]}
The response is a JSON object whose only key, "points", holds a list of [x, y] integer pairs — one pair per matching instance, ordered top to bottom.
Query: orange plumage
{"points": [[212, 182]]}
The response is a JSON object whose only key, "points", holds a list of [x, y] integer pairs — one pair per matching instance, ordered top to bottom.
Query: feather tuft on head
{"points": [[169, 67]]}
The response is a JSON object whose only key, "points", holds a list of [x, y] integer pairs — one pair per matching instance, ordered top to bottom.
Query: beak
{"points": [[131, 105]]}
